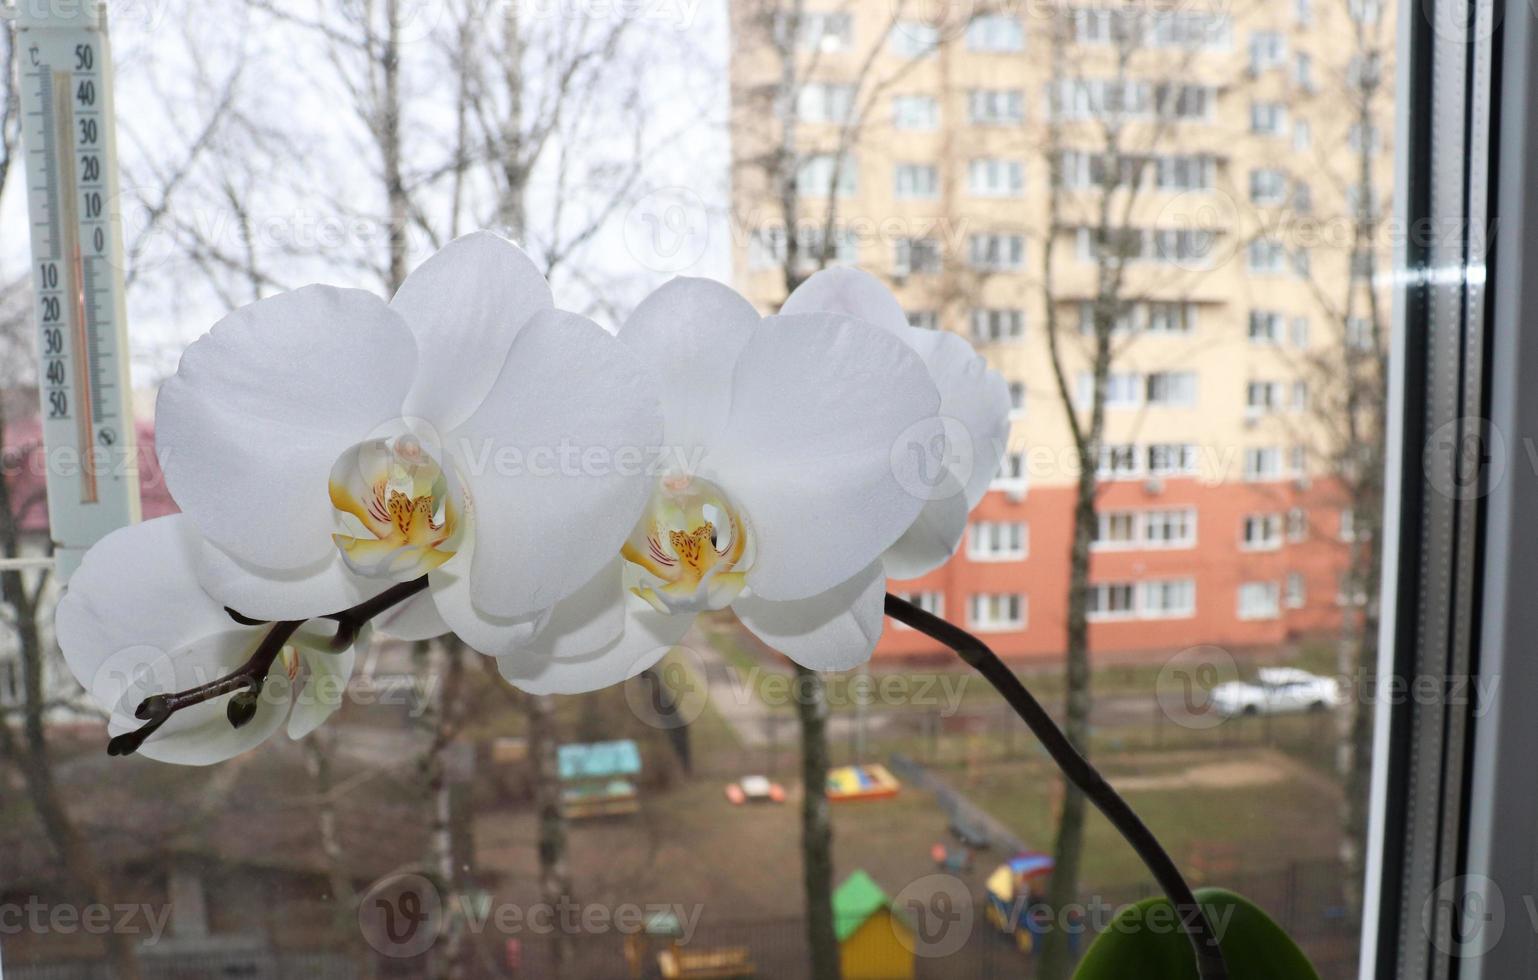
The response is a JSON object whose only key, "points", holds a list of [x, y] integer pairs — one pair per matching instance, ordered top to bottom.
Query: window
{"points": [[1365, 11], [1303, 12], [1155, 28], [829, 32], [995, 33], [914, 39], [1268, 50], [1303, 72], [823, 102], [996, 107], [915, 112], [1268, 118], [1302, 136], [1364, 138], [1183, 172], [825, 173], [989, 177], [916, 180], [1268, 186], [1181, 246], [766, 248], [996, 253], [915, 256], [1266, 256], [1171, 318], [924, 319], [991, 326], [1265, 327], [1299, 331], [1359, 332], [1171, 388], [1122, 389], [1262, 397], [1017, 398], [1299, 401], [1171, 459], [1297, 460], [1118, 461], [1262, 463], [1011, 473], [1347, 524], [1297, 525], [1169, 528], [1115, 530], [1261, 532], [997, 541], [1349, 592], [1295, 593], [1168, 599], [1112, 600], [1258, 600], [932, 602], [997, 612]]}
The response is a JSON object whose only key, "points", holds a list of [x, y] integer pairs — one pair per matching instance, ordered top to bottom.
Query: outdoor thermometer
{"points": [[77, 273]]}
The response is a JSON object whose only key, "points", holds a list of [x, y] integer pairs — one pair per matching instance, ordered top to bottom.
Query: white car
{"points": [[1276, 690]]}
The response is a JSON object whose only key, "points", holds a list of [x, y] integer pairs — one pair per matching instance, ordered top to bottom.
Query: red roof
{"points": [[25, 471]]}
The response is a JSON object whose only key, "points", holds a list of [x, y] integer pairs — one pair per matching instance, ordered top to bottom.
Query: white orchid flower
{"points": [[974, 402], [328, 445], [791, 477], [134, 624]]}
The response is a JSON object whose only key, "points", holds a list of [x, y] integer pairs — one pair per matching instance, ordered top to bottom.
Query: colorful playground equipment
{"points": [[597, 778], [868, 782], [755, 789], [1015, 888], [875, 941]]}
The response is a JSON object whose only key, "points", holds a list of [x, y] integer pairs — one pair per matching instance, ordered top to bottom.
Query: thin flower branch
{"points": [[247, 680], [1193, 919]]}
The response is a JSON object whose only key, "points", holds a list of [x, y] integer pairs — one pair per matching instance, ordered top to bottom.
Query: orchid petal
{"points": [[853, 292], [465, 305], [690, 333], [260, 408], [814, 450], [555, 459], [932, 539], [449, 588], [271, 594], [587, 620], [832, 631], [647, 638], [325, 689]]}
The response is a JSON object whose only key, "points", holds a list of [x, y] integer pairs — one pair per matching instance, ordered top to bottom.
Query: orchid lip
{"points": [[398, 513], [691, 549]]}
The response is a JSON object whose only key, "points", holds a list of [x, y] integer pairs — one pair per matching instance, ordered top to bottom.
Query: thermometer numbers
{"points": [[50, 306]]}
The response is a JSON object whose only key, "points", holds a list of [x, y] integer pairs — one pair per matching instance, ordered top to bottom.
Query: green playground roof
{"points": [[600, 760], [854, 901]]}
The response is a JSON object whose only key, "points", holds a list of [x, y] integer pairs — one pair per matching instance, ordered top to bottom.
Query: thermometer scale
{"points": [[77, 274]]}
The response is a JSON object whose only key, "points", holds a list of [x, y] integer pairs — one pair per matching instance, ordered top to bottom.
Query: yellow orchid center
{"points": [[398, 515], [692, 548]]}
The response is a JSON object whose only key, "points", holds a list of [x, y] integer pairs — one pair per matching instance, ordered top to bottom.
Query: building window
{"points": [[1365, 11], [1151, 28], [829, 32], [995, 34], [914, 39], [1268, 50], [1303, 72], [823, 102], [996, 106], [915, 112], [1268, 118], [1302, 136], [825, 174], [990, 177], [916, 181], [1268, 186], [766, 248], [996, 253], [915, 256], [1266, 256], [1171, 318], [924, 319], [997, 326], [1265, 327], [1300, 331], [1122, 389], [1176, 389], [1262, 397], [1017, 398], [1299, 401], [1171, 459], [1297, 460], [1118, 461], [1263, 463], [1011, 473], [1347, 524], [1297, 525], [1170, 528], [1115, 530], [1121, 530], [1262, 532], [997, 541], [1349, 592], [1295, 593], [1173, 598], [1111, 600], [1259, 600], [931, 601], [993, 612]]}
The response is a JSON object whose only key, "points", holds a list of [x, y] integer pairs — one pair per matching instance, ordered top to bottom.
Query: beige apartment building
{"points": [[951, 151]]}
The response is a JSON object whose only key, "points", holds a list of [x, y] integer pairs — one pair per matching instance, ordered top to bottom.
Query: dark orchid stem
{"points": [[247, 680], [1193, 919]]}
